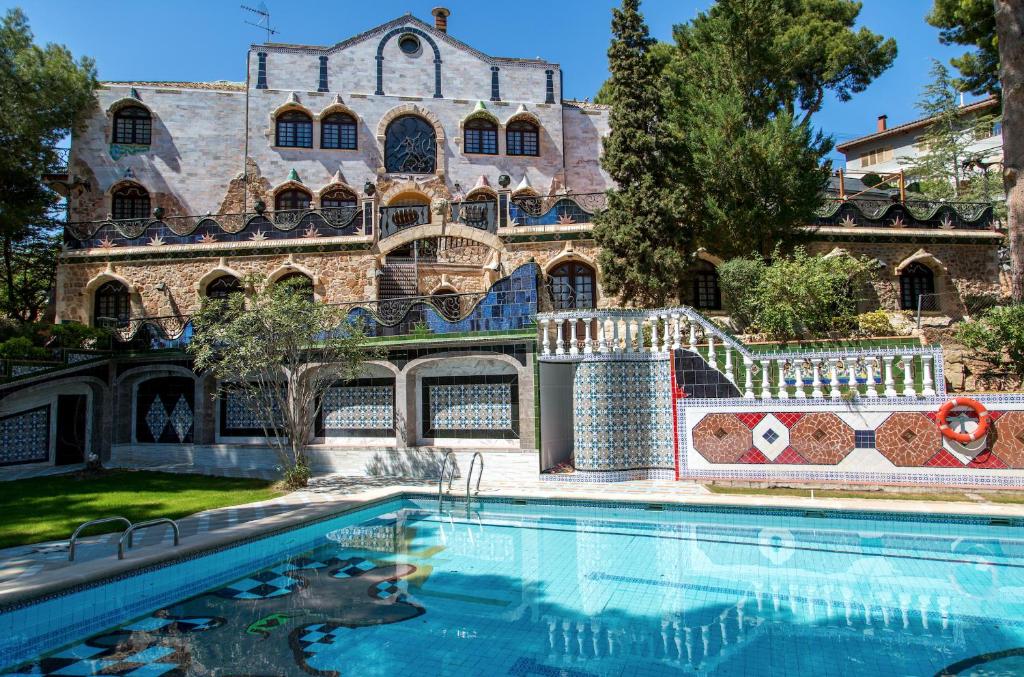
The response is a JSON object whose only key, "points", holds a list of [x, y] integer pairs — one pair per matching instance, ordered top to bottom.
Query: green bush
{"points": [[794, 297], [875, 323], [74, 336], [997, 339], [21, 348]]}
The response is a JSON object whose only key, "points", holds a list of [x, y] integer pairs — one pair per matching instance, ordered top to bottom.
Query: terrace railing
{"points": [[579, 335]]}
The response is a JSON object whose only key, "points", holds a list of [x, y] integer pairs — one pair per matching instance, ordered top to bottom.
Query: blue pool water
{"points": [[550, 590]]}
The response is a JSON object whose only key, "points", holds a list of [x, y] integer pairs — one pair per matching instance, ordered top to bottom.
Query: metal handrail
{"points": [[479, 475], [451, 476], [102, 520], [128, 533]]}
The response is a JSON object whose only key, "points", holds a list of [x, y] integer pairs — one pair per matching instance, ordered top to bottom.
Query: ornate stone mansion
{"points": [[443, 194]]}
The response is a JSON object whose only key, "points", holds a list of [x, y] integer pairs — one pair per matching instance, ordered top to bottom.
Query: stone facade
{"points": [[203, 159]]}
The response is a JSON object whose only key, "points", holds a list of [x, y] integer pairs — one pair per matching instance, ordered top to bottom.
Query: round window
{"points": [[409, 44]]}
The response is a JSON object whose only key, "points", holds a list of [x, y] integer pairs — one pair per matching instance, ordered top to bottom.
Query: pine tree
{"points": [[941, 169], [644, 242]]}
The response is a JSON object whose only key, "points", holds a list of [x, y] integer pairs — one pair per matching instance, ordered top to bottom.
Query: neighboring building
{"points": [[890, 149], [427, 186]]}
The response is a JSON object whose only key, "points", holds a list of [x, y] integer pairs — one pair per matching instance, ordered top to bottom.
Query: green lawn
{"points": [[993, 496], [49, 508]]}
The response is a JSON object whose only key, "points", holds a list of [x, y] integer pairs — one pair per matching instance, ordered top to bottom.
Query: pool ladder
{"points": [[451, 475], [126, 536]]}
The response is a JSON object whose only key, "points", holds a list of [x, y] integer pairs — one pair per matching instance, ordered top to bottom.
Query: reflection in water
{"points": [[577, 592]]}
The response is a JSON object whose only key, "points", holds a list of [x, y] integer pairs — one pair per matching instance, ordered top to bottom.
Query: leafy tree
{"points": [[973, 23], [996, 65], [748, 78], [45, 93], [940, 169], [644, 241], [29, 273], [795, 297], [997, 339], [279, 351]]}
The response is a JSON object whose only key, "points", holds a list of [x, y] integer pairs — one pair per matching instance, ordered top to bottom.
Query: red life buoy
{"points": [[984, 419]]}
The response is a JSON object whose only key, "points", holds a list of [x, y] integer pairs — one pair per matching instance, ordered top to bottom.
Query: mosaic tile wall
{"points": [[480, 407], [362, 408], [164, 410], [622, 416], [238, 419], [25, 437], [886, 444]]}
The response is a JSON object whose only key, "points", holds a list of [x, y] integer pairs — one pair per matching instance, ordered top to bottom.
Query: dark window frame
{"points": [[133, 125], [293, 129], [338, 131], [480, 137], [522, 138], [391, 140], [333, 199], [288, 200], [130, 202], [916, 280], [573, 286], [220, 287], [308, 290], [707, 294], [111, 300]]}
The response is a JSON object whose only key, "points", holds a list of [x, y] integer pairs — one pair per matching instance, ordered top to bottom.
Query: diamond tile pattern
{"points": [[156, 418], [771, 437], [908, 439]]}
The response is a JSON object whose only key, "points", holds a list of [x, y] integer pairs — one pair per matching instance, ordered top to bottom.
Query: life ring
{"points": [[984, 419]]}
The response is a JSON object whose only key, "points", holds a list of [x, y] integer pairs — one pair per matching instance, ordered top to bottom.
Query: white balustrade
{"points": [[676, 335], [545, 336], [693, 336], [667, 338], [559, 343], [602, 344], [588, 348], [574, 349], [712, 359], [869, 364], [728, 365], [798, 374], [908, 376], [766, 377], [748, 378], [833, 378], [816, 381], [890, 383], [783, 389], [927, 389]]}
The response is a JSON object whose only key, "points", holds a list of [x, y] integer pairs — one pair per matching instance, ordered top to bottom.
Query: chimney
{"points": [[441, 15], [883, 122]]}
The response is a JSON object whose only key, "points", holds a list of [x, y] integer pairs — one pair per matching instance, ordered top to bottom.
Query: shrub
{"points": [[795, 297], [875, 323], [997, 339], [21, 348]]}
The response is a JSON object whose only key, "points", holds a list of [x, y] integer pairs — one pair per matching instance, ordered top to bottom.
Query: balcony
{"points": [[509, 305]]}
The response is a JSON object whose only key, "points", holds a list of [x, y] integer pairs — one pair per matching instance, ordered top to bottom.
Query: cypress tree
{"points": [[644, 249]]}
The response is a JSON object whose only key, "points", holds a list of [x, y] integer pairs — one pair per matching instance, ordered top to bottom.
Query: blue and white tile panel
{"points": [[25, 437]]}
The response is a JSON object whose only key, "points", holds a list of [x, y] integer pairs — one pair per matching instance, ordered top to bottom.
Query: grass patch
{"points": [[839, 493], [49, 508]]}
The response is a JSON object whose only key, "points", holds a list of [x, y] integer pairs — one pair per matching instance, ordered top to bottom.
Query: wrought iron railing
{"points": [[564, 209], [911, 213], [480, 214], [398, 218], [163, 229]]}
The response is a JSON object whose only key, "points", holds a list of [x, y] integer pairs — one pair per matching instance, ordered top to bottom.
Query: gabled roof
{"points": [[404, 20], [920, 123]]}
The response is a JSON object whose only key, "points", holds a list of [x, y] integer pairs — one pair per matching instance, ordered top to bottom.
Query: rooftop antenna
{"points": [[263, 23]]}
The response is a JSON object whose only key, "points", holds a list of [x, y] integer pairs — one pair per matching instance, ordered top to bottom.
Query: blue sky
{"points": [[197, 40]]}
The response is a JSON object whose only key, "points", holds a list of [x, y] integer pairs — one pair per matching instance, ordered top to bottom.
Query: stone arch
{"points": [[400, 31], [127, 101], [291, 104], [337, 107], [412, 109], [481, 113], [525, 115], [290, 184], [337, 185], [434, 190], [404, 237], [571, 255], [704, 255], [926, 258], [291, 267], [109, 275], [211, 275], [126, 386], [98, 396]]}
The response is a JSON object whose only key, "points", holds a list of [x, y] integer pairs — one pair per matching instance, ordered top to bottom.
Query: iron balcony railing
{"points": [[398, 218]]}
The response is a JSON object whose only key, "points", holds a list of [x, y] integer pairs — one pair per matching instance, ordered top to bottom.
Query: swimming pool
{"points": [[555, 588]]}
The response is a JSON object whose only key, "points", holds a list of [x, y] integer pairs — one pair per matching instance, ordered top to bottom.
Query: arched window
{"points": [[133, 124], [294, 130], [338, 130], [481, 136], [522, 138], [410, 146], [293, 198], [337, 198], [130, 201], [917, 280], [299, 283], [222, 286], [572, 286], [706, 294], [447, 303], [111, 304]]}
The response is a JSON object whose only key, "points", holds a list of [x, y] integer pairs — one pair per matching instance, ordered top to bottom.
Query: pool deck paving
{"points": [[31, 571]]}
